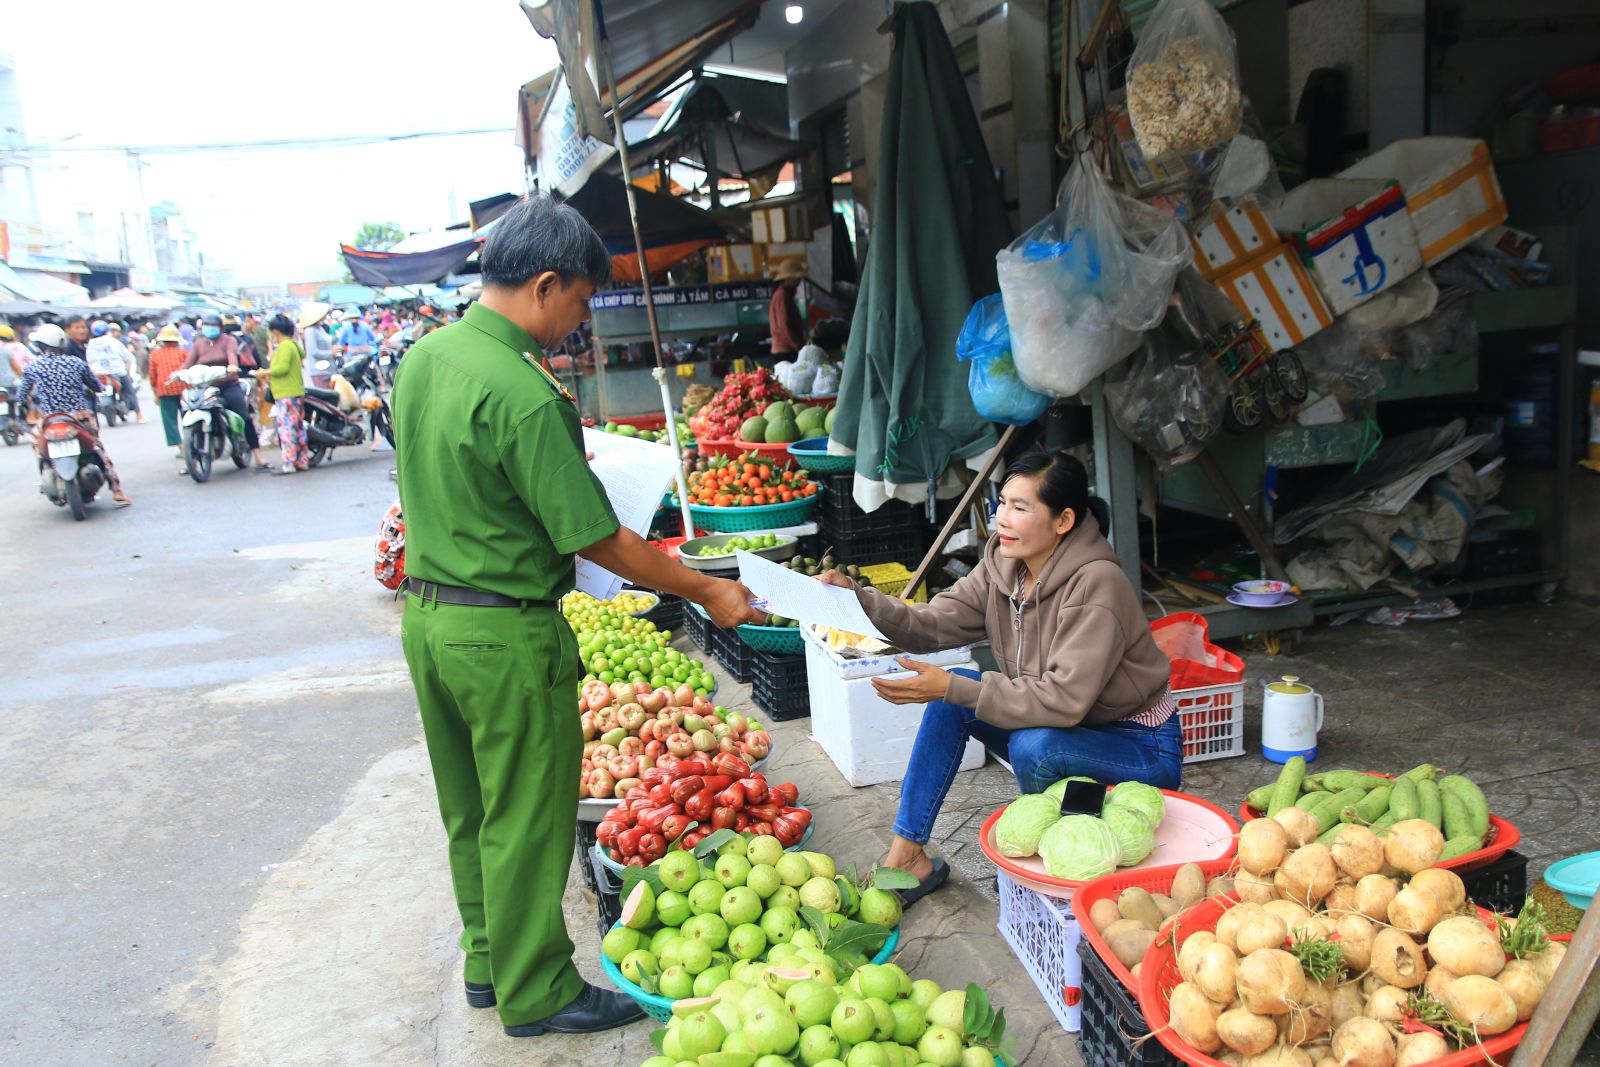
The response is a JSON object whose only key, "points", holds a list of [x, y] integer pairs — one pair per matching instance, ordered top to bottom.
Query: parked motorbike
{"points": [[389, 354], [362, 372], [112, 404], [9, 419], [331, 423], [208, 429], [70, 474]]}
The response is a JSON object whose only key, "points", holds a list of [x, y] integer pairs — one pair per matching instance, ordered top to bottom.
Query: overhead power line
{"points": [[339, 141]]}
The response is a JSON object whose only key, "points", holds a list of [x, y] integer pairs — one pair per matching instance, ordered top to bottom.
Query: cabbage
{"points": [[1059, 789], [1145, 799], [1024, 821], [1135, 836], [1079, 847]]}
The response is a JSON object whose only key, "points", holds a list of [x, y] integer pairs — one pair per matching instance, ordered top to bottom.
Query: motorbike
{"points": [[389, 354], [362, 372], [112, 404], [9, 419], [332, 423], [207, 428], [69, 474]]}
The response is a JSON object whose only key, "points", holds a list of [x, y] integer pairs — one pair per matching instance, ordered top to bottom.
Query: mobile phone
{"points": [[1083, 798]]}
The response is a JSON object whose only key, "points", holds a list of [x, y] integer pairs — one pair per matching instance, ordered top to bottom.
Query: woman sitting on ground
{"points": [[1082, 687]]}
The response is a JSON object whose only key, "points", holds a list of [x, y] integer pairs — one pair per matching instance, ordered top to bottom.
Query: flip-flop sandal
{"points": [[119, 504], [936, 878]]}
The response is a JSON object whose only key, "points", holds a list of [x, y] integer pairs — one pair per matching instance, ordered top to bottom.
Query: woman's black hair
{"points": [[281, 325], [1063, 484]]}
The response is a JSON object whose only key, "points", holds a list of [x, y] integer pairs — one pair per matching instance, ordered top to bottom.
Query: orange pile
{"points": [[747, 482]]}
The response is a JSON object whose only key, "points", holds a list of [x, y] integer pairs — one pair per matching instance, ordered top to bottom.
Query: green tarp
{"points": [[938, 219]]}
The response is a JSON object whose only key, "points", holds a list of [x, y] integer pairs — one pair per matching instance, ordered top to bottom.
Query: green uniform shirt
{"points": [[494, 487]]}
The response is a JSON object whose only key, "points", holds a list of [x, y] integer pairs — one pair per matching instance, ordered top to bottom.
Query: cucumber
{"points": [[1418, 773], [1334, 781], [1287, 789], [1261, 796], [1311, 800], [1403, 800], [1374, 803], [1428, 803], [1477, 803], [1328, 814], [1457, 819], [1385, 821], [1327, 836], [1460, 846]]}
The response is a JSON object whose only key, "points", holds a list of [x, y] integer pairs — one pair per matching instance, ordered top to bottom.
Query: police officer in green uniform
{"points": [[498, 498]]}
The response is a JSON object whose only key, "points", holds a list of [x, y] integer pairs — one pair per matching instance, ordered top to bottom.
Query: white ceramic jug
{"points": [[1291, 715]]}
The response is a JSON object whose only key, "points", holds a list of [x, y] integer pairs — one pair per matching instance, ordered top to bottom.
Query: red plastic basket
{"points": [[777, 455], [1503, 837], [1108, 886], [1158, 976]]}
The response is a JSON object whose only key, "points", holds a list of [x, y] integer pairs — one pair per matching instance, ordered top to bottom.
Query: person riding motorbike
{"points": [[356, 338], [215, 349], [109, 356], [58, 383]]}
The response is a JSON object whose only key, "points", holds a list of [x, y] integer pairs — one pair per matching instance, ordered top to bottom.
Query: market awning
{"points": [[705, 128], [672, 228], [380, 269], [41, 287], [132, 300]]}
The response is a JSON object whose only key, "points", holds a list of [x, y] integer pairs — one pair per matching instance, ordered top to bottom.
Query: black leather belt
{"points": [[472, 598]]}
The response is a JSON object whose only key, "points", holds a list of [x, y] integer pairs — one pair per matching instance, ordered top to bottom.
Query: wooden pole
{"points": [[644, 267], [959, 514], [1258, 538]]}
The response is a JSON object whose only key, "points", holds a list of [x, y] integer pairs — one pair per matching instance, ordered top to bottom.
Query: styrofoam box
{"points": [[1451, 189], [1357, 235], [868, 738]]}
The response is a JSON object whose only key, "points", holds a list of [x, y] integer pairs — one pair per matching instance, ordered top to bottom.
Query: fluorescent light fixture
{"points": [[793, 13]]}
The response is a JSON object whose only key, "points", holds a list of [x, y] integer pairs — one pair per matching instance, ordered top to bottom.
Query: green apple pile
{"points": [[614, 646], [693, 919], [792, 1016]]}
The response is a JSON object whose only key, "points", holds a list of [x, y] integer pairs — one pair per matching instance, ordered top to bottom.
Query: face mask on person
{"points": [[212, 332]]}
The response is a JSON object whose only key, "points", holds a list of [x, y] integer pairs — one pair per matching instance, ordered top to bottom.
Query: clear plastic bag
{"points": [[1183, 80], [1081, 285], [997, 393]]}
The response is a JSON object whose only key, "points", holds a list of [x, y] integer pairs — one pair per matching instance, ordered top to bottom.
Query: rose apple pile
{"points": [[742, 396], [746, 482], [616, 647], [628, 727], [681, 801]]}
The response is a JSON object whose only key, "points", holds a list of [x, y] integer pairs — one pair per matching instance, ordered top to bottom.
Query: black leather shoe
{"points": [[480, 996], [590, 1012]]}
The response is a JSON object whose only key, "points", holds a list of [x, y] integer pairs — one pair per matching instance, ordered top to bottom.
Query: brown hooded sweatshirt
{"points": [[1078, 652]]}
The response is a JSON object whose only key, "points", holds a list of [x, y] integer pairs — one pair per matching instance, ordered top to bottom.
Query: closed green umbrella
{"points": [[938, 219]]}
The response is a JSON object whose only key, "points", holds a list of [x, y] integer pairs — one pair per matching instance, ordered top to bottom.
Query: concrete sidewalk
{"points": [[349, 956]]}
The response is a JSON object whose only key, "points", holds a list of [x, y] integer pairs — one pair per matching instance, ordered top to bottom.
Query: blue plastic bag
{"points": [[997, 393]]}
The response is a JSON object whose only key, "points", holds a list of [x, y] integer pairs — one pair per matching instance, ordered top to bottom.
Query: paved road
{"points": [[193, 684]]}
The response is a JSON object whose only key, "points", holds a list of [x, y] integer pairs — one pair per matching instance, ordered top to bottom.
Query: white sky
{"points": [[184, 71]]}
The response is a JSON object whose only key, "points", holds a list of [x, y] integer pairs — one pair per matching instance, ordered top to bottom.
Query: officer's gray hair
{"points": [[537, 235]]}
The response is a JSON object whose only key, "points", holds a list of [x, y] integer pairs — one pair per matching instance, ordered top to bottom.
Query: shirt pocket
{"points": [[473, 647]]}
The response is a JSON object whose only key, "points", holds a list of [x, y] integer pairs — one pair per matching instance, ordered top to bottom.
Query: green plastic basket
{"points": [[812, 454], [751, 519], [781, 640], [659, 1008]]}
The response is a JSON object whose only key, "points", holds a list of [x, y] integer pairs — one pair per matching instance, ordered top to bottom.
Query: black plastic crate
{"points": [[839, 513], [904, 545], [667, 615], [698, 627], [732, 652], [778, 686], [606, 886], [1501, 886], [1112, 1022]]}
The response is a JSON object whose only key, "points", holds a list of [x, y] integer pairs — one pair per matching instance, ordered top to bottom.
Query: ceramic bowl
{"points": [[1261, 593]]}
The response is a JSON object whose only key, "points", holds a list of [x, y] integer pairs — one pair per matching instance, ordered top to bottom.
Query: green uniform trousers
{"points": [[496, 688]]}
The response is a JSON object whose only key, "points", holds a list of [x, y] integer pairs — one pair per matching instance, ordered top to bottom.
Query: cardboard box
{"points": [[1450, 186], [1355, 235], [1228, 238], [785, 252], [735, 263], [1275, 289], [868, 738]]}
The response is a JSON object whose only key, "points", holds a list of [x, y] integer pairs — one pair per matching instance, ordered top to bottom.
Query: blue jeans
{"points": [[1039, 756]]}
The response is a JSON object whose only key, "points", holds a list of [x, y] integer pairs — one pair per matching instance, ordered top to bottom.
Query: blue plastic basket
{"points": [[812, 454], [757, 517], [659, 1008]]}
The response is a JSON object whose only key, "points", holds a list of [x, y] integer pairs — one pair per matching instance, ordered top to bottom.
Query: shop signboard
{"points": [[566, 156]]}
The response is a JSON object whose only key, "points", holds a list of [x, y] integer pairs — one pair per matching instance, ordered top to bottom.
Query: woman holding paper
{"points": [[1082, 687]]}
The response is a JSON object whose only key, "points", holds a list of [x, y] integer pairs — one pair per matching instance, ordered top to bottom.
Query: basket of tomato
{"points": [[747, 493]]}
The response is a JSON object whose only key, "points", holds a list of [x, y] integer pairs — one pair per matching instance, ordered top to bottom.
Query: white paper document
{"points": [[635, 474], [803, 598]]}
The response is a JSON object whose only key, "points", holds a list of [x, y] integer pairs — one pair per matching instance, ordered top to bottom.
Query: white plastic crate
{"points": [[1212, 717], [1044, 936]]}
